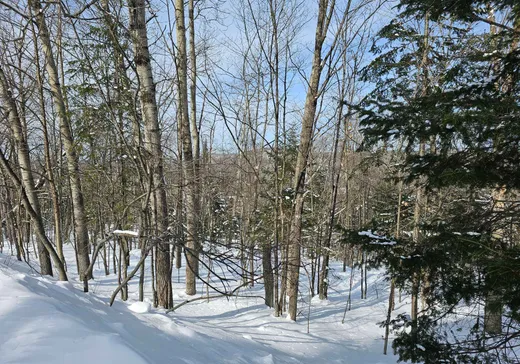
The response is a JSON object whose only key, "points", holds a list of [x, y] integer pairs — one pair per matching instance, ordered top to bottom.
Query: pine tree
{"points": [[469, 117]]}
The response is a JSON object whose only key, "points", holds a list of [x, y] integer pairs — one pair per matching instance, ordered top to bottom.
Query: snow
{"points": [[490, 54], [128, 233], [378, 240], [410, 256], [140, 307], [45, 321]]}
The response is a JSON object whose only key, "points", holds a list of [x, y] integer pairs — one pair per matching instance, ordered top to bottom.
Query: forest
{"points": [[190, 151]]}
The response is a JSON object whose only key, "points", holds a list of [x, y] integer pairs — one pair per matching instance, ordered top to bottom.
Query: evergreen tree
{"points": [[468, 116]]}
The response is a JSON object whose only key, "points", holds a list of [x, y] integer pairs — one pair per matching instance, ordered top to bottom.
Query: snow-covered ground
{"points": [[45, 321]]}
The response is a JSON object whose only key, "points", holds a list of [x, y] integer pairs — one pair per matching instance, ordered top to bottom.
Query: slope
{"points": [[45, 321]]}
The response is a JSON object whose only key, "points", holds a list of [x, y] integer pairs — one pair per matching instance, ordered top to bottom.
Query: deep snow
{"points": [[45, 321]]}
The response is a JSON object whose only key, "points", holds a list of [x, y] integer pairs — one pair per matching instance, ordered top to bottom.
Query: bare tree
{"points": [[325, 15], [152, 143], [22, 148], [190, 163], [80, 218]]}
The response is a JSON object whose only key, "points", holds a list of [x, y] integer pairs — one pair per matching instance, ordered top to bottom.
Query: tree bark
{"points": [[307, 131], [152, 144], [22, 149], [53, 190], [192, 203], [80, 218], [36, 219], [493, 307]]}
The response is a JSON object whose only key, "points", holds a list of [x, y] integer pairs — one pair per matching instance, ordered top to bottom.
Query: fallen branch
{"points": [[153, 243], [98, 247], [130, 276], [230, 294], [209, 297]]}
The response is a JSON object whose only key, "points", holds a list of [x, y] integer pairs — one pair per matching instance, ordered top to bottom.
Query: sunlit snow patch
{"points": [[140, 307]]}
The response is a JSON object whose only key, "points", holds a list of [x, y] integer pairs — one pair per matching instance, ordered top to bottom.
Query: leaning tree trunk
{"points": [[308, 121], [152, 144], [22, 148], [47, 156], [80, 218], [39, 229]]}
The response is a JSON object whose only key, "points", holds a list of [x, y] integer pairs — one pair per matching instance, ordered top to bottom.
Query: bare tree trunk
{"points": [[193, 88], [308, 122], [152, 144], [22, 148], [189, 162], [48, 164], [335, 174], [420, 196], [179, 213], [36, 219], [80, 219], [2, 220], [10, 222], [416, 238], [125, 262], [416, 278], [362, 285], [391, 297], [493, 307], [493, 314], [389, 315]]}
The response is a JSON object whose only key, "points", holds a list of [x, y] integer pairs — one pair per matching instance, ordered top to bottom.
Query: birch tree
{"points": [[22, 148], [80, 218]]}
